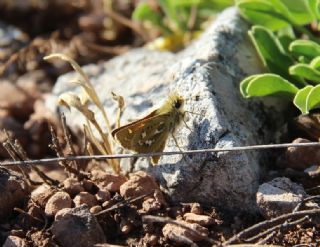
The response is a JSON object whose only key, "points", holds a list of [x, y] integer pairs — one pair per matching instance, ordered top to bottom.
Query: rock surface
{"points": [[11, 40], [207, 75], [300, 158], [107, 181], [140, 183], [13, 193], [279, 196], [85, 198], [58, 201], [202, 220], [77, 227], [184, 233], [14, 241]]}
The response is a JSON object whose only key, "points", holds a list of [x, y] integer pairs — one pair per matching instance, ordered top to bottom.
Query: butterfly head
{"points": [[177, 102]]}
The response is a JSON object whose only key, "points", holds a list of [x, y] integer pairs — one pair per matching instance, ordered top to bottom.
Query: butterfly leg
{"points": [[186, 124], [175, 140]]}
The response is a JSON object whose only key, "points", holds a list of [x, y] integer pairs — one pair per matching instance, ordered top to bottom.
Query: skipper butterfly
{"points": [[149, 134]]}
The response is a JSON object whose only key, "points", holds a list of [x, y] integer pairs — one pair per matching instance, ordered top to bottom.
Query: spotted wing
{"points": [[125, 133], [146, 135], [152, 137], [155, 159]]}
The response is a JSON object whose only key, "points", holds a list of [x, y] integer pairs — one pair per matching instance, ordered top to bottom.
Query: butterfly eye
{"points": [[177, 104]]}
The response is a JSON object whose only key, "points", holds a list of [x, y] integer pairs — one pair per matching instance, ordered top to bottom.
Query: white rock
{"points": [[207, 75], [279, 196]]}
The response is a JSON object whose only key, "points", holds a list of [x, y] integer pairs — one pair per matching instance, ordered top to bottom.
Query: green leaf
{"points": [[185, 3], [215, 5], [314, 6], [317, 9], [143, 12], [263, 12], [300, 12], [174, 14], [276, 14], [286, 36], [305, 48], [272, 53], [302, 59], [315, 63], [305, 71], [244, 84], [270, 84], [313, 98], [300, 99]]}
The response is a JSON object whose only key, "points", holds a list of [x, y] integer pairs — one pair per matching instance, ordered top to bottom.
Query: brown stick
{"points": [[67, 138], [63, 162], [123, 203], [151, 218], [269, 223], [283, 226]]}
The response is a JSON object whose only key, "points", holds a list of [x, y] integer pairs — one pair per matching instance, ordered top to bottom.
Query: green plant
{"points": [[177, 20], [293, 62]]}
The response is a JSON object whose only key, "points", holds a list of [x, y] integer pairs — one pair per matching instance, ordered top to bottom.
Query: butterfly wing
{"points": [[125, 133], [145, 135], [153, 135], [155, 159]]}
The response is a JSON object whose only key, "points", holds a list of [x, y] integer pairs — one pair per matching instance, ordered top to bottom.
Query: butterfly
{"points": [[149, 134]]}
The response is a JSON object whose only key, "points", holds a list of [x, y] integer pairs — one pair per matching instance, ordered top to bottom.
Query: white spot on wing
{"points": [[157, 131], [144, 134], [149, 142]]}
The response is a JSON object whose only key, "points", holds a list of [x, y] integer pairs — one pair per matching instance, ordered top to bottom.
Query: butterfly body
{"points": [[149, 134]]}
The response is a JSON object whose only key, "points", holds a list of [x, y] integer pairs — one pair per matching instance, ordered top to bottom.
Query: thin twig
{"points": [[193, 17], [136, 27], [113, 50], [67, 138], [8, 147], [57, 148], [187, 152], [17, 153], [23, 156], [311, 190], [304, 200], [123, 203], [21, 211], [152, 218], [269, 223], [282, 226], [267, 238]]}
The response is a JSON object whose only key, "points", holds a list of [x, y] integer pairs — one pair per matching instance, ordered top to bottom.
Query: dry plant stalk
{"points": [[120, 101], [81, 103], [67, 139], [56, 146], [17, 153]]}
